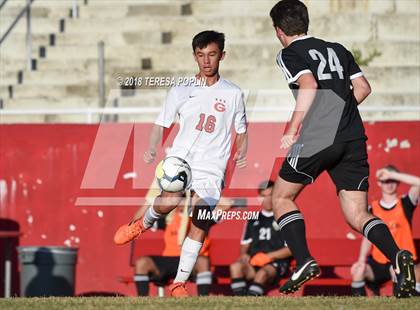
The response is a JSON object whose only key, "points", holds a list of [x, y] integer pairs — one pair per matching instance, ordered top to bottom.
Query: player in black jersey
{"points": [[325, 133], [264, 257]]}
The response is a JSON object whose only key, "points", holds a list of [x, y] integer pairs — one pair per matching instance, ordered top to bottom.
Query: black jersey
{"points": [[333, 67], [262, 234]]}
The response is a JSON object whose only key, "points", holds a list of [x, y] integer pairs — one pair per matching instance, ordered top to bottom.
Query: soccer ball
{"points": [[173, 174]]}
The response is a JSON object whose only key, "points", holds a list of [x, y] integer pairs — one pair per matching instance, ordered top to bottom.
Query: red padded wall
{"points": [[42, 167]]}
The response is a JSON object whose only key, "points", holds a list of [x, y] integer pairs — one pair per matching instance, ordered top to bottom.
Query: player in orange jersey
{"points": [[397, 212]]}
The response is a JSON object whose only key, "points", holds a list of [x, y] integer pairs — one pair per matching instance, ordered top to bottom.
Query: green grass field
{"points": [[255, 303]]}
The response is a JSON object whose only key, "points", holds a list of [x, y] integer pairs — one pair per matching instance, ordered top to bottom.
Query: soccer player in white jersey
{"points": [[207, 113]]}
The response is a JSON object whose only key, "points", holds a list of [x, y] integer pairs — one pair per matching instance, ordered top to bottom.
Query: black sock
{"points": [[292, 228], [376, 231], [203, 281], [142, 284], [238, 286], [358, 288], [203, 289], [255, 289]]}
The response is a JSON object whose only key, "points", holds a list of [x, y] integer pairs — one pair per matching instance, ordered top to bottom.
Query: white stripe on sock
{"points": [[150, 217], [289, 219], [370, 226], [141, 278], [203, 278], [357, 284], [237, 285], [257, 289]]}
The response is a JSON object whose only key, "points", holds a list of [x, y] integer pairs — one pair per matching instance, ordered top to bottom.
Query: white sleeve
{"points": [[169, 110], [240, 115]]}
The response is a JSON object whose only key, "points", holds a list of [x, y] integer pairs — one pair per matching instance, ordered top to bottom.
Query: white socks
{"points": [[150, 217], [189, 253], [203, 278], [358, 284], [418, 287]]}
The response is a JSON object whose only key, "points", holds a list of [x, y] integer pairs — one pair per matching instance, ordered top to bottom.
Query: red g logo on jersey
{"points": [[219, 106]]}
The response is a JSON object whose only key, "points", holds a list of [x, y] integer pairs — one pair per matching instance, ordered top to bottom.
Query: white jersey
{"points": [[207, 115]]}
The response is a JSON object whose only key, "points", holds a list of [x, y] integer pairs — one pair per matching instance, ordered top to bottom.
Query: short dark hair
{"points": [[291, 16], [204, 38], [391, 168], [265, 185]]}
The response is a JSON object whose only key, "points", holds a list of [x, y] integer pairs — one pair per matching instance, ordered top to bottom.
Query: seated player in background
{"points": [[397, 213], [264, 257], [161, 268]]}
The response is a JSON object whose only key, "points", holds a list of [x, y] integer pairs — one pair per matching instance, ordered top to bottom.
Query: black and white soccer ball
{"points": [[173, 174]]}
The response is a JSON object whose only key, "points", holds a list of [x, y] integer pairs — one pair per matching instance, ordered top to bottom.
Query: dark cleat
{"points": [[307, 272], [406, 280]]}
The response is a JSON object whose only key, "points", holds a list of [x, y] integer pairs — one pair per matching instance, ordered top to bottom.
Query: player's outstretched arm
{"points": [[361, 88], [306, 95], [155, 139], [385, 174], [412, 180], [365, 247], [244, 257], [359, 267]]}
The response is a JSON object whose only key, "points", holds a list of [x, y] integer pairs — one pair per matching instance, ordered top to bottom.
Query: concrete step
{"points": [[315, 7], [54, 9], [122, 9], [38, 25], [344, 26], [398, 26], [341, 27], [17, 40], [238, 54], [393, 54], [257, 58], [84, 74], [59, 77], [401, 79], [51, 92], [49, 103]]}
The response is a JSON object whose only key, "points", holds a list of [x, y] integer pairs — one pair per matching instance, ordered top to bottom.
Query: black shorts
{"points": [[346, 163], [167, 265], [282, 269], [381, 272]]}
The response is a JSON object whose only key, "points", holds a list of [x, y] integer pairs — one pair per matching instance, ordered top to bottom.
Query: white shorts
{"points": [[207, 175], [208, 186]]}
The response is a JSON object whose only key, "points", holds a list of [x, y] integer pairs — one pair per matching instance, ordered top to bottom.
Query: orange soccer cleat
{"points": [[129, 232], [178, 290]]}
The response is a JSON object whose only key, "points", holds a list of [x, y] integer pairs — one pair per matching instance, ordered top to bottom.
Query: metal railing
{"points": [[26, 10], [101, 74], [90, 113]]}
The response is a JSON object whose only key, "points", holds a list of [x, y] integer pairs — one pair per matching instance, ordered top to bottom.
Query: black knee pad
{"points": [[202, 208]]}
